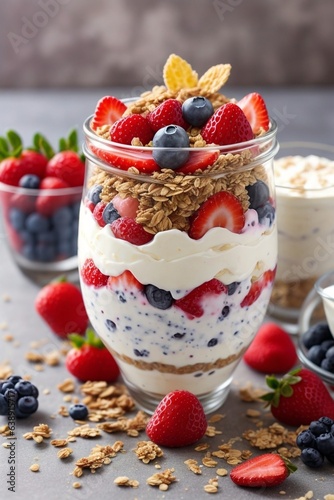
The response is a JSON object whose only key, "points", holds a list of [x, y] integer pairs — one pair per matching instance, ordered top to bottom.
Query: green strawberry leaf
{"points": [[14, 140], [73, 140], [63, 144], [42, 145], [4, 149], [90, 338], [76, 340]]}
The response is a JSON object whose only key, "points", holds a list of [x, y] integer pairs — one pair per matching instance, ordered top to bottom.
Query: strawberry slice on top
{"points": [[255, 109], [108, 110], [125, 158], [222, 209]]}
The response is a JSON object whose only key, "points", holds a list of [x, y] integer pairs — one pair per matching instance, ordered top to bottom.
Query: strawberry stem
{"points": [[10, 146], [90, 338], [281, 387]]}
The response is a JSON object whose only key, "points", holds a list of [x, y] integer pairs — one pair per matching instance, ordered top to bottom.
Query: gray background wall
{"points": [[52, 43]]}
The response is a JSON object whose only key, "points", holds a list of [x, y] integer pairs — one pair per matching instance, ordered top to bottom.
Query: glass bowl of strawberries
{"points": [[40, 193]]}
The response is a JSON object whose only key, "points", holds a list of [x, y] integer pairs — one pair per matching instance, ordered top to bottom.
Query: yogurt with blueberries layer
{"points": [[190, 344]]}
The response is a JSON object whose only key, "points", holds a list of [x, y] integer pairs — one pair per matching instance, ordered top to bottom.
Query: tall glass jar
{"points": [[179, 305]]}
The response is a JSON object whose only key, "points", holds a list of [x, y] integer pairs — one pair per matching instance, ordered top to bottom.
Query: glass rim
{"points": [[40, 192], [320, 287]]}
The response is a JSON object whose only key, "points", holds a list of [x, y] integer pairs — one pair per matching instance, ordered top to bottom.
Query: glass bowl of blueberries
{"points": [[315, 345]]}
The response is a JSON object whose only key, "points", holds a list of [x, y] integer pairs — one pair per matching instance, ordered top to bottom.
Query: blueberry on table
{"points": [[197, 110], [171, 137], [157, 297], [24, 388], [3, 405], [26, 405], [78, 411], [327, 421], [317, 428], [306, 439], [325, 444], [312, 457]]}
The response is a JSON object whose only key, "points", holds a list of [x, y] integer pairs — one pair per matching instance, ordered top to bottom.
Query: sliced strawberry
{"points": [[108, 110], [168, 112], [256, 112], [228, 125], [127, 128], [125, 158], [198, 160], [222, 209], [129, 230], [91, 275], [124, 282], [257, 286], [192, 303], [269, 469]]}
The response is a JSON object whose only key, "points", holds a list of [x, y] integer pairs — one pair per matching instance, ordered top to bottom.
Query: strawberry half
{"points": [[108, 110], [255, 110], [228, 125], [127, 128], [125, 158], [198, 160], [222, 209], [124, 282], [257, 286], [191, 303], [272, 350], [179, 420], [269, 469]]}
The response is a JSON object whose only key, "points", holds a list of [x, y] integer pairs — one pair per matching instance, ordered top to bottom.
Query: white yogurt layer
{"points": [[304, 196], [131, 327]]}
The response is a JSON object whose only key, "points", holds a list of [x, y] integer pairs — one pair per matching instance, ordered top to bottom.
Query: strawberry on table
{"points": [[255, 109], [108, 110], [228, 125], [222, 209], [61, 306], [272, 350], [90, 360], [298, 398], [179, 420], [263, 471]]}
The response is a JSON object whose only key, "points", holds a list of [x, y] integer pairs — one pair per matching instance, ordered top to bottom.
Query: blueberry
{"points": [[197, 110], [172, 137], [29, 181], [94, 194], [258, 194], [76, 209], [110, 213], [266, 214], [62, 217], [17, 218], [37, 223], [27, 237], [46, 237], [65, 248], [29, 251], [45, 252], [231, 288], [157, 297], [225, 312], [111, 325], [316, 334], [178, 335], [212, 342], [327, 344], [143, 353], [330, 353], [316, 354], [328, 365], [14, 379], [6, 385], [24, 388], [11, 395], [27, 404], [3, 405], [78, 411], [328, 422], [317, 428], [305, 439], [325, 443], [312, 457]]}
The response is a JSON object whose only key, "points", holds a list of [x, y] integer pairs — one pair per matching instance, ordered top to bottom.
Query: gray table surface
{"points": [[302, 114]]}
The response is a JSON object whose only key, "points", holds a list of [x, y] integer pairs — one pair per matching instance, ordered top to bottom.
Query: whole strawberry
{"points": [[61, 306], [272, 350], [89, 359], [299, 398], [179, 420], [269, 469]]}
